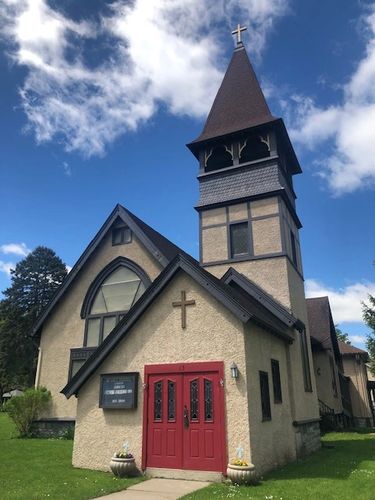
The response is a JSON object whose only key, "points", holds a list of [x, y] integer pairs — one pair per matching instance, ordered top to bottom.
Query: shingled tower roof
{"points": [[239, 103]]}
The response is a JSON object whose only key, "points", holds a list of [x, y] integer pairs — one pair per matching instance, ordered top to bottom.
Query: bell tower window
{"points": [[255, 147], [218, 157], [239, 239]]}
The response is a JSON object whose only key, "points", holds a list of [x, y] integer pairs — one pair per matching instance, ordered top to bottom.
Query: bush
{"points": [[23, 410]]}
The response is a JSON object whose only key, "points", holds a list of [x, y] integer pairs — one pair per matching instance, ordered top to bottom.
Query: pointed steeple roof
{"points": [[239, 103]]}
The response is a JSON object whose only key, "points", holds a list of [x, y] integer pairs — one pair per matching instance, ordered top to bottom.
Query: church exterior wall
{"points": [[266, 236], [270, 274], [64, 329], [212, 334], [357, 372], [325, 382], [306, 402], [272, 442]]}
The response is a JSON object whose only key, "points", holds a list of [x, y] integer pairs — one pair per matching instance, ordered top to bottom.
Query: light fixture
{"points": [[234, 370]]}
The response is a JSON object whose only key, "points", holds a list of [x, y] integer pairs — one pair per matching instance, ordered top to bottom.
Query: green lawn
{"points": [[41, 468], [344, 469]]}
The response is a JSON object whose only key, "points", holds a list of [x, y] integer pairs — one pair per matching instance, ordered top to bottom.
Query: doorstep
{"points": [[188, 475]]}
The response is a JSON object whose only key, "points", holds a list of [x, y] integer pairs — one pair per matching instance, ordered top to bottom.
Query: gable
{"points": [[160, 251]]}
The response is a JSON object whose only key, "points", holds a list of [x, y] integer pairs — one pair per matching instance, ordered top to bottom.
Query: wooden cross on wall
{"points": [[183, 303]]}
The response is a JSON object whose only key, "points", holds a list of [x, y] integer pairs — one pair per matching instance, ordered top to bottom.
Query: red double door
{"points": [[185, 417]]}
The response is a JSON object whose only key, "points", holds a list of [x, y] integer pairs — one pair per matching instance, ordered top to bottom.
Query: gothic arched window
{"points": [[254, 148], [219, 157], [110, 297]]}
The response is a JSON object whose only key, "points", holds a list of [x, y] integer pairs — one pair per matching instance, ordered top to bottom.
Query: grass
{"points": [[41, 468], [344, 469]]}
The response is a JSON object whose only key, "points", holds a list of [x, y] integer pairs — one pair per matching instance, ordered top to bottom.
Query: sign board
{"points": [[119, 390]]}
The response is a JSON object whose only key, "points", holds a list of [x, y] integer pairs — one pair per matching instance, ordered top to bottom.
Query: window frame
{"points": [[123, 230], [249, 241], [293, 246], [94, 288], [78, 354], [306, 368], [276, 382], [265, 403]]}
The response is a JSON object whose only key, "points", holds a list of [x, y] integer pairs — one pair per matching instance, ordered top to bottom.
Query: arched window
{"points": [[254, 148], [219, 157], [109, 298]]}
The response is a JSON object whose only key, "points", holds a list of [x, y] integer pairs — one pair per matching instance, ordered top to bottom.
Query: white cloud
{"points": [[165, 52], [347, 129], [15, 249], [5, 267], [68, 268], [345, 302], [357, 339]]}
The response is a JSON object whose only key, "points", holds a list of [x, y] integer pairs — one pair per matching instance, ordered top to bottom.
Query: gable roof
{"points": [[239, 103], [160, 247], [253, 292], [243, 310], [321, 323], [350, 350]]}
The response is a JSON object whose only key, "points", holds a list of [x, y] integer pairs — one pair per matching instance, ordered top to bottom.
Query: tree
{"points": [[33, 283], [369, 319], [341, 336]]}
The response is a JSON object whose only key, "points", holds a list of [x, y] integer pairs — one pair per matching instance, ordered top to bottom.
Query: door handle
{"points": [[186, 417]]}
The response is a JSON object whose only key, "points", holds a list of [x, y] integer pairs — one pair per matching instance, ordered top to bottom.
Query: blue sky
{"points": [[99, 99]]}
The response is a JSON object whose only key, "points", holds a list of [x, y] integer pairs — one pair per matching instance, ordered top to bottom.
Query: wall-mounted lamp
{"points": [[234, 370]]}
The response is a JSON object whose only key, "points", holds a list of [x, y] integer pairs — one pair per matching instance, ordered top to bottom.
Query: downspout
{"points": [[37, 375]]}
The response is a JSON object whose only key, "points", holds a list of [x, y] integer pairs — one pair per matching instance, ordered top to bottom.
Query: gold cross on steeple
{"points": [[237, 32]]}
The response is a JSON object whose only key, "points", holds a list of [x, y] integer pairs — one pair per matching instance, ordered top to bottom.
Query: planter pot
{"points": [[123, 467], [239, 474]]}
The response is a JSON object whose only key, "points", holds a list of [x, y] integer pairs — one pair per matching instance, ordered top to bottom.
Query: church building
{"points": [[189, 361]]}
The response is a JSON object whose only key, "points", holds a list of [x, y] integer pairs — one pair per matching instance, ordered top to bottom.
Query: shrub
{"points": [[23, 410]]}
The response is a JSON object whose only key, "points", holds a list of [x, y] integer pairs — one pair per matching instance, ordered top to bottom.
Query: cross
{"points": [[237, 32], [183, 304]]}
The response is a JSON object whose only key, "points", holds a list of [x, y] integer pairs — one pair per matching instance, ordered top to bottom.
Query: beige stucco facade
{"points": [[64, 328], [212, 334], [355, 368], [327, 379]]}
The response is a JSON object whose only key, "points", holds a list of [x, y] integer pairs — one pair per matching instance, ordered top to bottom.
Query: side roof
{"points": [[160, 248], [254, 292], [232, 300], [321, 325], [350, 350]]}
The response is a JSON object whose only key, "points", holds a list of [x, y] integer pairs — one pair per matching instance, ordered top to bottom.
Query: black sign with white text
{"points": [[118, 390]]}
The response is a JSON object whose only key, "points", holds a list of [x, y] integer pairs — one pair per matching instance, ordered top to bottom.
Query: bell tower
{"points": [[246, 207]]}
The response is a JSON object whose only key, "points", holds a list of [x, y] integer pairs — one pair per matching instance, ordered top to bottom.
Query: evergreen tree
{"points": [[34, 281], [369, 319], [343, 337]]}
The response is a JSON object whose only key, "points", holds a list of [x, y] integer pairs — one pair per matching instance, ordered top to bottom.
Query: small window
{"points": [[121, 235], [239, 239], [294, 249], [78, 357], [305, 362], [265, 396], [277, 396]]}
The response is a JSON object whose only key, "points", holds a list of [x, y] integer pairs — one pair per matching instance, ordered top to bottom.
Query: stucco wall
{"points": [[266, 236], [270, 274], [64, 328], [212, 334], [324, 380], [358, 386], [272, 442]]}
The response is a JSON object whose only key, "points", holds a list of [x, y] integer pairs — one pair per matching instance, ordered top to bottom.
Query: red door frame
{"points": [[209, 366]]}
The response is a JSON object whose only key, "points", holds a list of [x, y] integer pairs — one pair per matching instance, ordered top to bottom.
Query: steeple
{"points": [[240, 103], [246, 207]]}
